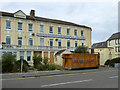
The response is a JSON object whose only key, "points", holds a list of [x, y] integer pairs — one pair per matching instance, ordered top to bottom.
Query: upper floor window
{"points": [[8, 24], [19, 26], [30, 27], [41, 28], [51, 29], [59, 30], [68, 31], [75, 32], [82, 33], [8, 40], [19, 40], [30, 41], [41, 41], [116, 41], [51, 42], [59, 43], [68, 43], [109, 43], [76, 44], [116, 49], [119, 49]]}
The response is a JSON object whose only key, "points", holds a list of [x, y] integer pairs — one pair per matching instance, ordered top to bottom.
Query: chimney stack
{"points": [[32, 13]]}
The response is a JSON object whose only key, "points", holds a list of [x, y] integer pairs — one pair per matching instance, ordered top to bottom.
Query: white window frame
{"points": [[8, 27], [41, 28], [19, 29], [30, 29], [50, 29], [68, 29], [58, 30], [75, 32], [8, 37], [20, 40], [29, 41], [50, 41], [59, 41], [42, 43], [75, 43], [22, 55], [28, 56]]}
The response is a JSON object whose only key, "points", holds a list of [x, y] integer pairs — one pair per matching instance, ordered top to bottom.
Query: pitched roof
{"points": [[45, 19], [114, 36], [100, 45]]}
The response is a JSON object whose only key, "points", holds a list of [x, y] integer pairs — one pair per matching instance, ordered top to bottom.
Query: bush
{"points": [[81, 49], [37, 60], [113, 61], [8, 62], [25, 65], [52, 66], [58, 67]]}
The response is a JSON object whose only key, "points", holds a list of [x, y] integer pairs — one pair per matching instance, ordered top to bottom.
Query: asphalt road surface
{"points": [[101, 79]]}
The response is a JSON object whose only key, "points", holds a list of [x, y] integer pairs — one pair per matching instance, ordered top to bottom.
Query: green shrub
{"points": [[81, 49], [37, 60], [45, 61], [113, 61], [8, 62], [107, 62], [25, 65], [52, 66], [58, 67]]}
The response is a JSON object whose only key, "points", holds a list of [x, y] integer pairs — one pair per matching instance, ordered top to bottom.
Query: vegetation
{"points": [[81, 49], [37, 60], [8, 62], [112, 62]]}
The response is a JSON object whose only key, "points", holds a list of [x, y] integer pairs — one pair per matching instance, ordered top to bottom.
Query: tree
{"points": [[81, 49], [37, 60], [8, 61]]}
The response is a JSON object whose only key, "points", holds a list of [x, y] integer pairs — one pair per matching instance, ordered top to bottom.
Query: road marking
{"points": [[114, 77], [56, 84]]}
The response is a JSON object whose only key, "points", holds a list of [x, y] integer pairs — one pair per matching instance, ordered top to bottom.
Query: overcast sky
{"points": [[101, 16]]}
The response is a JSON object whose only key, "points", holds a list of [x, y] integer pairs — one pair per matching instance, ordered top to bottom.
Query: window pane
{"points": [[8, 25], [19, 26], [30, 27], [41, 28], [51, 29], [59, 30], [68, 31], [75, 32], [82, 33], [8, 40], [19, 40], [30, 41], [41, 41], [51, 42], [59, 43], [68, 43], [75, 43], [82, 44], [21, 55], [28, 56]]}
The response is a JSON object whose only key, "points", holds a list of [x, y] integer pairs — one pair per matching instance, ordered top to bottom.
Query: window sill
{"points": [[8, 29]]}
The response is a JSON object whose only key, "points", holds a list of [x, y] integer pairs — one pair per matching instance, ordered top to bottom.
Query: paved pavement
{"points": [[46, 73], [99, 79]]}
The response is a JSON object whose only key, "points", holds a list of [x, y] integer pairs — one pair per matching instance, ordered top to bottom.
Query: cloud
{"points": [[102, 17]]}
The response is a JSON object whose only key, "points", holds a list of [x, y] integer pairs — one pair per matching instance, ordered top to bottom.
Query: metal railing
{"points": [[6, 46]]}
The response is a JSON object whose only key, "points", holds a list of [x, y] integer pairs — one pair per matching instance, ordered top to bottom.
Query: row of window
{"points": [[30, 28], [8, 41], [117, 41], [117, 49], [28, 55]]}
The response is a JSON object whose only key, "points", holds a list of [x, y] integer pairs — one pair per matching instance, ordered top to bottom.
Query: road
{"points": [[101, 79]]}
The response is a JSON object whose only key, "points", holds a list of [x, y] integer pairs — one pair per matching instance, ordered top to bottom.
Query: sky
{"points": [[100, 15]]}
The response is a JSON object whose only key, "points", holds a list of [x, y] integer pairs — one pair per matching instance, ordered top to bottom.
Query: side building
{"points": [[26, 35], [109, 49]]}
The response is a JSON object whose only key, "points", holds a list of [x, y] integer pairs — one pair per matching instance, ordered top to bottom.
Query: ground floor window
{"points": [[21, 55], [28, 56]]}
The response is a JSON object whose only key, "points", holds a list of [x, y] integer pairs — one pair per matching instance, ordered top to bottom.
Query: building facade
{"points": [[26, 35], [109, 49]]}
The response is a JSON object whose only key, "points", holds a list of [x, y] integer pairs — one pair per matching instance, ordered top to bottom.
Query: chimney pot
{"points": [[32, 13]]}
